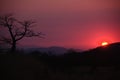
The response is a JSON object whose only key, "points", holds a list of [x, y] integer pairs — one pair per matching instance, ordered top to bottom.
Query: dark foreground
{"points": [[96, 64], [19, 67]]}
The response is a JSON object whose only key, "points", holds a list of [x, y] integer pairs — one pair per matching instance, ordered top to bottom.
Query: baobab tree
{"points": [[17, 30]]}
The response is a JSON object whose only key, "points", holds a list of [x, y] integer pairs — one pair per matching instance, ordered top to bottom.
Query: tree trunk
{"points": [[13, 48]]}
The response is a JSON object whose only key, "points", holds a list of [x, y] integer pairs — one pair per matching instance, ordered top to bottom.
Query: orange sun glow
{"points": [[104, 43]]}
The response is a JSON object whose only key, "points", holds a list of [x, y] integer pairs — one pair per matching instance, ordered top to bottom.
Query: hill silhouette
{"points": [[53, 49], [103, 55], [101, 63]]}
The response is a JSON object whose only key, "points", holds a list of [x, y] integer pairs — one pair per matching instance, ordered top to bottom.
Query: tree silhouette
{"points": [[17, 30]]}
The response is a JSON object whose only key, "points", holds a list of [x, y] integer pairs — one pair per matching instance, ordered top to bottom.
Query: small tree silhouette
{"points": [[17, 30]]}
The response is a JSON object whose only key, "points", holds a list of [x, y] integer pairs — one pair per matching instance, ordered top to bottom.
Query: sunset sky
{"points": [[80, 24]]}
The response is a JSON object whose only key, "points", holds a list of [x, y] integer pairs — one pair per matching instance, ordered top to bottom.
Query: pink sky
{"points": [[68, 23]]}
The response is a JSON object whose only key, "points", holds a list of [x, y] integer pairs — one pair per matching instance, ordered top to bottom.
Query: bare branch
{"points": [[7, 20], [26, 25], [17, 30], [31, 33], [5, 40]]}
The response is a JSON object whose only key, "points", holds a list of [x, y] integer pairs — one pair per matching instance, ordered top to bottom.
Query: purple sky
{"points": [[68, 23]]}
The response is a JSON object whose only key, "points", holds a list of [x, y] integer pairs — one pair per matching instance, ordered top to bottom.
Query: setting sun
{"points": [[104, 43]]}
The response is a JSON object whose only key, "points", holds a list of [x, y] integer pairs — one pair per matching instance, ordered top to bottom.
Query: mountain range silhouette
{"points": [[102, 55]]}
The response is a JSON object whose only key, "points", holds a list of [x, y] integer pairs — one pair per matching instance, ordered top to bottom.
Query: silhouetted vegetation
{"points": [[17, 30], [101, 63]]}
